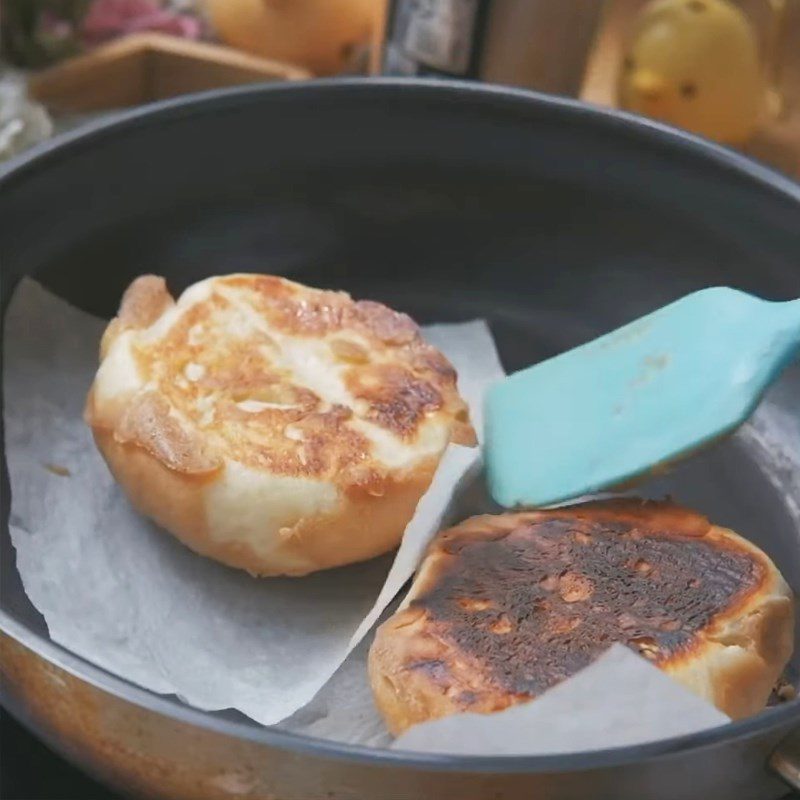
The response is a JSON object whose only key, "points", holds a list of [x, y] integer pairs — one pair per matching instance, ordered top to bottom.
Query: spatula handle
{"points": [[790, 317], [787, 343]]}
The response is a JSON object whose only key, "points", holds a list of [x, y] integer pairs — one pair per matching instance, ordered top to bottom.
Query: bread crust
{"points": [[245, 492], [419, 670]]}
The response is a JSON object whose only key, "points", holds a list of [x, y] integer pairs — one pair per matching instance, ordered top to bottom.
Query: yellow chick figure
{"points": [[694, 64]]}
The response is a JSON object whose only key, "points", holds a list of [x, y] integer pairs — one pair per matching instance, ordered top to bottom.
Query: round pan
{"points": [[528, 209]]}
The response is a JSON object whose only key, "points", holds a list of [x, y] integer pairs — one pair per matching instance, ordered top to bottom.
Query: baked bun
{"points": [[273, 427], [504, 607]]}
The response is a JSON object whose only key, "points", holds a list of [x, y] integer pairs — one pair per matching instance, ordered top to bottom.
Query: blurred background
{"points": [[726, 69]]}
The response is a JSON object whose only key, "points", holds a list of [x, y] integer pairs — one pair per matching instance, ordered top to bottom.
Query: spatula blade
{"points": [[635, 399]]}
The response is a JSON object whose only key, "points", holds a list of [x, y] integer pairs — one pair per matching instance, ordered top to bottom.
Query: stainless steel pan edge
{"points": [[748, 743], [146, 754]]}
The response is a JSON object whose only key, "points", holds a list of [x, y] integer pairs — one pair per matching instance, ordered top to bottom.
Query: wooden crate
{"points": [[150, 66]]}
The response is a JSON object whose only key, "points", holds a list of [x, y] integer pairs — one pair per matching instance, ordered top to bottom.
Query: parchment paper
{"points": [[128, 597], [618, 700]]}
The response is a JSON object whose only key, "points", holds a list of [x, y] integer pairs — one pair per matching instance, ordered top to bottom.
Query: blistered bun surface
{"points": [[274, 427], [504, 607]]}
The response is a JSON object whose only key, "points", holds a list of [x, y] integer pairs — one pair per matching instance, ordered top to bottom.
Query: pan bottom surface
{"points": [[548, 264]]}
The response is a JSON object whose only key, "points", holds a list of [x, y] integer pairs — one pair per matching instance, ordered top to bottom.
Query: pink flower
{"points": [[108, 19]]}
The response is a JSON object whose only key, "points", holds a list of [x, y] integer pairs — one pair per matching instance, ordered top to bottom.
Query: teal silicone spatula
{"points": [[636, 399]]}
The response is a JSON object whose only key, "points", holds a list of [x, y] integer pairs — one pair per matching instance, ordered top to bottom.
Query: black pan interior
{"points": [[552, 221]]}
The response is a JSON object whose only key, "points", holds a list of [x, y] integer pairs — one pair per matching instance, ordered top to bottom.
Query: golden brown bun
{"points": [[273, 427], [504, 607]]}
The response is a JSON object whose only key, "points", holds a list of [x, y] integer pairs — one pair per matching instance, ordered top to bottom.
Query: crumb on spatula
{"points": [[57, 469]]}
